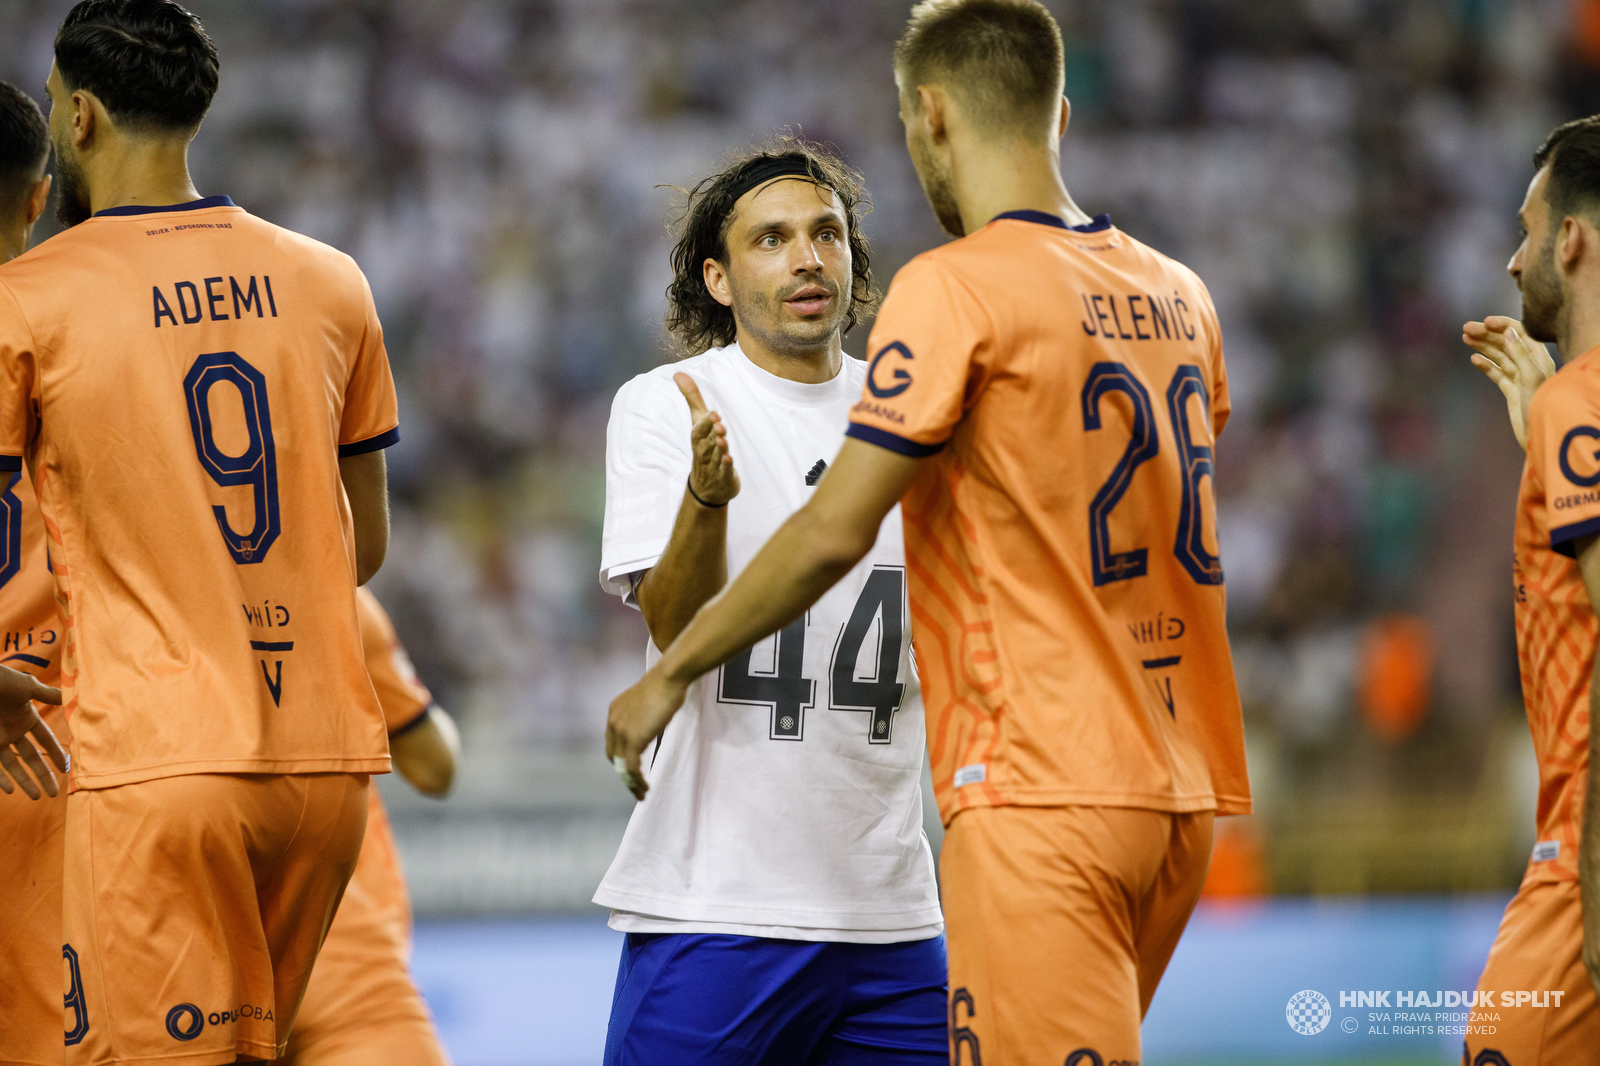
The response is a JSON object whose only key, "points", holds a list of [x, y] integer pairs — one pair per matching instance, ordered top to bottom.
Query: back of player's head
{"points": [[1003, 58], [149, 61], [24, 147], [1572, 152], [695, 319]]}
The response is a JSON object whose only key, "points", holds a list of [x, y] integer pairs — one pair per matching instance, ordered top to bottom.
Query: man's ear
{"points": [[934, 110], [86, 116], [1066, 118], [38, 198], [1572, 243], [717, 283]]}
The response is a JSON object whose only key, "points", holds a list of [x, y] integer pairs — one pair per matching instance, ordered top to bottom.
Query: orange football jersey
{"points": [[182, 382], [1558, 504], [1067, 598], [30, 627], [402, 696], [31, 831], [376, 908]]}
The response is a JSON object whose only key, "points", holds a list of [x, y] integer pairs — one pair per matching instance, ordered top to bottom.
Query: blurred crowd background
{"points": [[1344, 175]]}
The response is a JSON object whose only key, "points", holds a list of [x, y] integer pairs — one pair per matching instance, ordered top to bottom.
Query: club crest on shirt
{"points": [[899, 374], [1586, 481]]}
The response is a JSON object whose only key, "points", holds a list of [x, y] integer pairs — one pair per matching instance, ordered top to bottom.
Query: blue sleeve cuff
{"points": [[884, 439], [371, 444], [11, 464], [1563, 541], [422, 716]]}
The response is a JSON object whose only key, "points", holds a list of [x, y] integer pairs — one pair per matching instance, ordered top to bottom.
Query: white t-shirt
{"points": [[785, 797]]}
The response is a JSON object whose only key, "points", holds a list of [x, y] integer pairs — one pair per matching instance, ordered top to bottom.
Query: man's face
{"points": [[933, 172], [72, 195], [1534, 264], [789, 265]]}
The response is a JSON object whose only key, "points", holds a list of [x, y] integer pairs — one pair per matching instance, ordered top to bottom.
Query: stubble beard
{"points": [[939, 189], [72, 199], [1542, 301], [760, 314]]}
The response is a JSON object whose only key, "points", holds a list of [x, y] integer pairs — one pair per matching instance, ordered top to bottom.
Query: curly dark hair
{"points": [[149, 61], [696, 321]]}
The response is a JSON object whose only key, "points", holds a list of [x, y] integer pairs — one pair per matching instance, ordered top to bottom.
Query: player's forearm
{"points": [[366, 486], [806, 556], [692, 569], [426, 753]]}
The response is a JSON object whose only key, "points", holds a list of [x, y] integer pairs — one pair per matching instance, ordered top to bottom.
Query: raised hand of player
{"points": [[1502, 350], [711, 476], [636, 719], [21, 729]]}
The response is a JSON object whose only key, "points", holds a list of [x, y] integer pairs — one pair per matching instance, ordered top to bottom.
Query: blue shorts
{"points": [[747, 1000]]}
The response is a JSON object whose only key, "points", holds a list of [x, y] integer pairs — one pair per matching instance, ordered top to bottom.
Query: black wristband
{"points": [[690, 486]]}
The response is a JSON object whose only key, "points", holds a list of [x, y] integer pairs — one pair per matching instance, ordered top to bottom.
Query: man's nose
{"points": [[807, 260]]}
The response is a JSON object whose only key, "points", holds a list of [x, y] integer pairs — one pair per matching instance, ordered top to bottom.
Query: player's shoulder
{"points": [[305, 252], [47, 259], [945, 263], [1155, 263], [1576, 383], [655, 386]]}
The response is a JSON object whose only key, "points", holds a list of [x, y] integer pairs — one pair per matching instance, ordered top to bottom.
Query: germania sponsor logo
{"points": [[865, 408], [1566, 503], [1308, 1012]]}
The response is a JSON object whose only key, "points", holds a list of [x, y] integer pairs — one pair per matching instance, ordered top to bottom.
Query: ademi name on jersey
{"points": [[209, 300]]}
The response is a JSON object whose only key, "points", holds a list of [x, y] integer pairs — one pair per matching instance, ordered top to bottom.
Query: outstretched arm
{"points": [[1505, 355], [809, 553]]}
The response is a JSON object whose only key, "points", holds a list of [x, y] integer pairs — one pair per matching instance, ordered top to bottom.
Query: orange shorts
{"points": [[31, 834], [194, 907], [1060, 922], [1539, 950], [361, 1006]]}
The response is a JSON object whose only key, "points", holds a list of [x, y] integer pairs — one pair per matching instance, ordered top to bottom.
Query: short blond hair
{"points": [[1004, 58]]}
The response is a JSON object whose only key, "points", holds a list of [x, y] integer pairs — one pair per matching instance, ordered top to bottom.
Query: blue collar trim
{"points": [[192, 205], [1043, 218]]}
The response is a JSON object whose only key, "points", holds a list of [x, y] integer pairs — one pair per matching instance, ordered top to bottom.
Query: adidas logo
{"points": [[816, 472]]}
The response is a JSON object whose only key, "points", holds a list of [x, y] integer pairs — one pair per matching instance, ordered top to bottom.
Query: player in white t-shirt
{"points": [[776, 887]]}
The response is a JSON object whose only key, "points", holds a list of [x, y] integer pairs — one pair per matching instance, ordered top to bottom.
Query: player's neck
{"points": [[140, 172], [990, 179], [14, 236], [1580, 333], [809, 366]]}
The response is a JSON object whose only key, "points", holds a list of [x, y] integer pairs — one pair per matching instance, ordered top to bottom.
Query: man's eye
{"points": [[828, 235], [769, 241]]}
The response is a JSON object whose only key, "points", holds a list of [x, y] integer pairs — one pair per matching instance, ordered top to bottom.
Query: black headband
{"points": [[762, 170]]}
